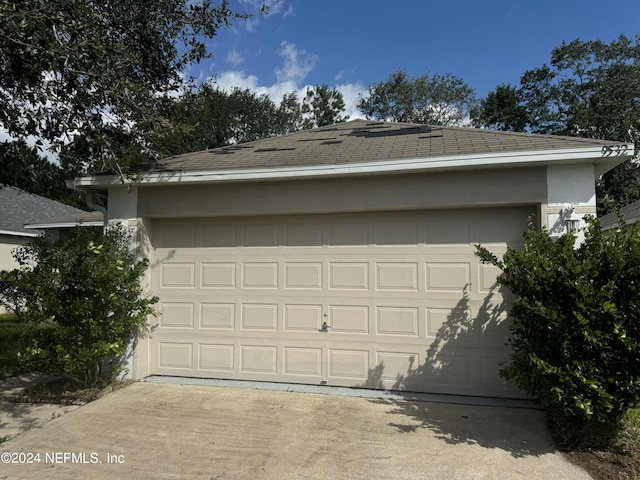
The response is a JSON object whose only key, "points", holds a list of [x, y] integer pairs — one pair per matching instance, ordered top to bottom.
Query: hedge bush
{"points": [[87, 285], [575, 328]]}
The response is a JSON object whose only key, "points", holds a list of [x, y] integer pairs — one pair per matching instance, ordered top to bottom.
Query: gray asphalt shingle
{"points": [[360, 141], [18, 208]]}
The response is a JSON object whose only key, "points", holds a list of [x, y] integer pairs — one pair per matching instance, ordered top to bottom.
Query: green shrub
{"points": [[87, 286], [575, 328]]}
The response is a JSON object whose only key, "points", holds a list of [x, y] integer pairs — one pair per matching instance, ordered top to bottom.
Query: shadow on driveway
{"points": [[185, 431]]}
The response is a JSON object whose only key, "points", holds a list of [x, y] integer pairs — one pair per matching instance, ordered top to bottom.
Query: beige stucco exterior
{"points": [[8, 243]]}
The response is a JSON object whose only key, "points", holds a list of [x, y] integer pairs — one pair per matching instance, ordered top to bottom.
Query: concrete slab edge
{"points": [[348, 392]]}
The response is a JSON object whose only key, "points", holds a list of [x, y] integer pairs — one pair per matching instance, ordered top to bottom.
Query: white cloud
{"points": [[274, 8], [234, 58], [297, 63], [351, 92]]}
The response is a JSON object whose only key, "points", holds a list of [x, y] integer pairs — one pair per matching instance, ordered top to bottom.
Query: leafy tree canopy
{"points": [[72, 68], [589, 89], [431, 99], [322, 106], [501, 110], [208, 117], [21, 166]]}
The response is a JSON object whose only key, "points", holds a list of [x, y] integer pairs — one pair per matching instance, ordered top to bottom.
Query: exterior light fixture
{"points": [[571, 220]]}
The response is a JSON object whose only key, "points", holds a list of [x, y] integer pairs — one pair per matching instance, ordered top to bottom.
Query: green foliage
{"points": [[98, 68], [430, 99], [322, 106], [501, 110], [208, 117], [24, 168], [86, 286], [575, 328], [15, 336]]}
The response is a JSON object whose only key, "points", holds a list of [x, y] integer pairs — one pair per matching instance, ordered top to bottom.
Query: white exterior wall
{"points": [[571, 189], [123, 209]]}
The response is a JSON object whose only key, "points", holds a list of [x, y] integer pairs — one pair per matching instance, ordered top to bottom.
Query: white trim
{"points": [[457, 162], [44, 226], [19, 234]]}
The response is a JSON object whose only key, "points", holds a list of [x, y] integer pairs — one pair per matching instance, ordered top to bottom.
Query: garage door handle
{"points": [[325, 327]]}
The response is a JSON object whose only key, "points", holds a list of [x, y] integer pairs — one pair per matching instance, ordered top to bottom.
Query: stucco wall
{"points": [[491, 187], [8, 243]]}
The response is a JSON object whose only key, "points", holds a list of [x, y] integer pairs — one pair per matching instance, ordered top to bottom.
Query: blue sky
{"points": [[351, 44]]}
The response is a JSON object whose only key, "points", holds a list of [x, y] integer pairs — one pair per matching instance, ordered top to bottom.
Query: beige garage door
{"points": [[386, 300]]}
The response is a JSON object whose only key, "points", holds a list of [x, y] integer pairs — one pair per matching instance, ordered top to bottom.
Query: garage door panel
{"points": [[405, 232], [303, 234], [219, 235], [178, 275], [218, 275], [260, 275], [303, 275], [349, 275], [398, 276], [447, 277], [407, 304], [176, 315], [218, 316], [259, 316], [303, 317], [349, 319], [392, 320], [175, 355], [216, 357], [259, 359], [302, 361], [352, 364]]}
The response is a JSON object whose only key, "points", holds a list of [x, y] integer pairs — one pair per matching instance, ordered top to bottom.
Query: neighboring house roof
{"points": [[365, 147], [18, 208], [630, 214], [84, 219]]}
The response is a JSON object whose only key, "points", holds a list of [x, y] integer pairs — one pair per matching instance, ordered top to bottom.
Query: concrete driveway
{"points": [[156, 431]]}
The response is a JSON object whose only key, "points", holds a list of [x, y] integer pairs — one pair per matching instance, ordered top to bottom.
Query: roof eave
{"points": [[603, 160], [47, 226], [19, 234]]}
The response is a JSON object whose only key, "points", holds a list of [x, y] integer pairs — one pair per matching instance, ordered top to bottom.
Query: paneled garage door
{"points": [[386, 300]]}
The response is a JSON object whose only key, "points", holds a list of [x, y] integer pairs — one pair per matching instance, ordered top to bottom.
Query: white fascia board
{"points": [[458, 162], [45, 226], [19, 234]]}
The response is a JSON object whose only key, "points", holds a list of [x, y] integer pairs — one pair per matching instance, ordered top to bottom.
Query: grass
{"points": [[15, 336]]}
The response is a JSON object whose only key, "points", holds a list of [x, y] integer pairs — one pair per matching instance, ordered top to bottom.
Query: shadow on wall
{"points": [[515, 430]]}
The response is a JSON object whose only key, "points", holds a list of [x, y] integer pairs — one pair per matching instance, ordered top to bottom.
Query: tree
{"points": [[97, 69], [591, 89], [438, 99], [322, 106], [501, 110], [289, 114], [208, 117], [22, 167], [87, 287], [575, 328]]}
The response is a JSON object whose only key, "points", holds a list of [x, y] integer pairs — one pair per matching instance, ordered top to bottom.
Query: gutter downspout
{"points": [[89, 199]]}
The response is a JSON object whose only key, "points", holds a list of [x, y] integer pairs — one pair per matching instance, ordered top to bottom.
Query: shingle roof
{"points": [[365, 141], [18, 208], [630, 214]]}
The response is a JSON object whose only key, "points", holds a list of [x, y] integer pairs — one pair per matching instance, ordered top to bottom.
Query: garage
{"points": [[344, 255], [393, 300]]}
